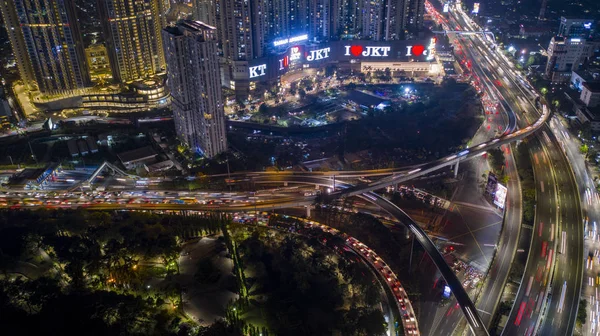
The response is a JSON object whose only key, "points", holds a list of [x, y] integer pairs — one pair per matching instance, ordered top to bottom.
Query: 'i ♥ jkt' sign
{"points": [[358, 50]]}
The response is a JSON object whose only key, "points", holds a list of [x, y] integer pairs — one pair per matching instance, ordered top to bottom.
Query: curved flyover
{"points": [[467, 306]]}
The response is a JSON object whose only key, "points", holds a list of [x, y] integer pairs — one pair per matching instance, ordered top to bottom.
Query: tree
{"points": [[302, 93], [263, 108], [584, 149], [497, 158], [582, 312]]}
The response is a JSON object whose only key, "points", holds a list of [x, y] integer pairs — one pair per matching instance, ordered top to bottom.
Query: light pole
{"points": [[11, 160]]}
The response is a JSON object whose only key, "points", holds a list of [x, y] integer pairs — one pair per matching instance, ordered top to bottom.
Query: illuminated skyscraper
{"points": [[132, 29], [46, 41], [194, 81]]}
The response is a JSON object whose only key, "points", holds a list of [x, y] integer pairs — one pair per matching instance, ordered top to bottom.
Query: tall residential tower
{"points": [[133, 40], [46, 41], [193, 78]]}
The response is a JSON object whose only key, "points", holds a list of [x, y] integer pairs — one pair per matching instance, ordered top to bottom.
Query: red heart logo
{"points": [[356, 50], [418, 50]]}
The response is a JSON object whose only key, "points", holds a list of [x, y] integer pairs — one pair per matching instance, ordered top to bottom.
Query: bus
{"points": [[544, 248], [529, 286], [520, 314]]}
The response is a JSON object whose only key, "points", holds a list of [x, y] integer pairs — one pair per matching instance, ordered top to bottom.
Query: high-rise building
{"points": [[204, 11], [542, 15], [346, 16], [286, 18], [414, 18], [376, 19], [319, 20], [372, 20], [234, 25], [575, 27], [132, 30], [46, 41], [566, 55], [193, 78]]}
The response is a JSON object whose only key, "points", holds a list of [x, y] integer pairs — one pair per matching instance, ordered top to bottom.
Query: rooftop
{"points": [[592, 86], [365, 99], [137, 154]]}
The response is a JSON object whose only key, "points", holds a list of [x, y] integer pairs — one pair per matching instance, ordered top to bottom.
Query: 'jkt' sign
{"points": [[357, 50], [318, 54]]}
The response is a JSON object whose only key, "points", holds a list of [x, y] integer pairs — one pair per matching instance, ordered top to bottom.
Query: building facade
{"points": [[576, 27], [133, 39], [48, 48], [566, 55], [193, 78], [590, 94]]}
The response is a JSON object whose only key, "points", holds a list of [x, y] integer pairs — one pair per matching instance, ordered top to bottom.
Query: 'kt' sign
{"points": [[257, 71]]}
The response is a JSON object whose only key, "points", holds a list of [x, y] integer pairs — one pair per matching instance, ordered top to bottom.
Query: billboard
{"points": [[446, 8], [476, 8], [294, 39], [291, 57], [492, 181], [500, 196], [447, 291]]}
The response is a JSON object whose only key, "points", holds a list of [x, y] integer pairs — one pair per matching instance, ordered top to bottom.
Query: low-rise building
{"points": [[534, 31], [579, 77], [590, 94], [588, 115], [91, 143], [83, 148], [73, 150], [138, 157], [35, 178]]}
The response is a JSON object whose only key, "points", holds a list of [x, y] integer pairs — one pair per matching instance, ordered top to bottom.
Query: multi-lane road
{"points": [[549, 305]]}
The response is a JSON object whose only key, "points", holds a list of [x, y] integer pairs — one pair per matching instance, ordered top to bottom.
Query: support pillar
{"points": [[456, 169], [285, 184], [308, 211]]}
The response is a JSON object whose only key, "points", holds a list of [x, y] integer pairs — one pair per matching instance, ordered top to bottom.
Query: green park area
{"points": [[139, 273]]}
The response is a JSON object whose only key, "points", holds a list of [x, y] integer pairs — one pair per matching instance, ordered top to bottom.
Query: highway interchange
{"points": [[548, 307], [543, 309]]}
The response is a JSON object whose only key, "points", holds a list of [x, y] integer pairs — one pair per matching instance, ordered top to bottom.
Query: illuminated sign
{"points": [[446, 8], [476, 8], [587, 25], [290, 40], [431, 48], [357, 50], [416, 50], [295, 53], [318, 54], [283, 63], [257, 71], [500, 195], [447, 291]]}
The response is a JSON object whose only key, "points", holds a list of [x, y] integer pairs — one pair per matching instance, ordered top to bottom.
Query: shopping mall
{"points": [[412, 57]]}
